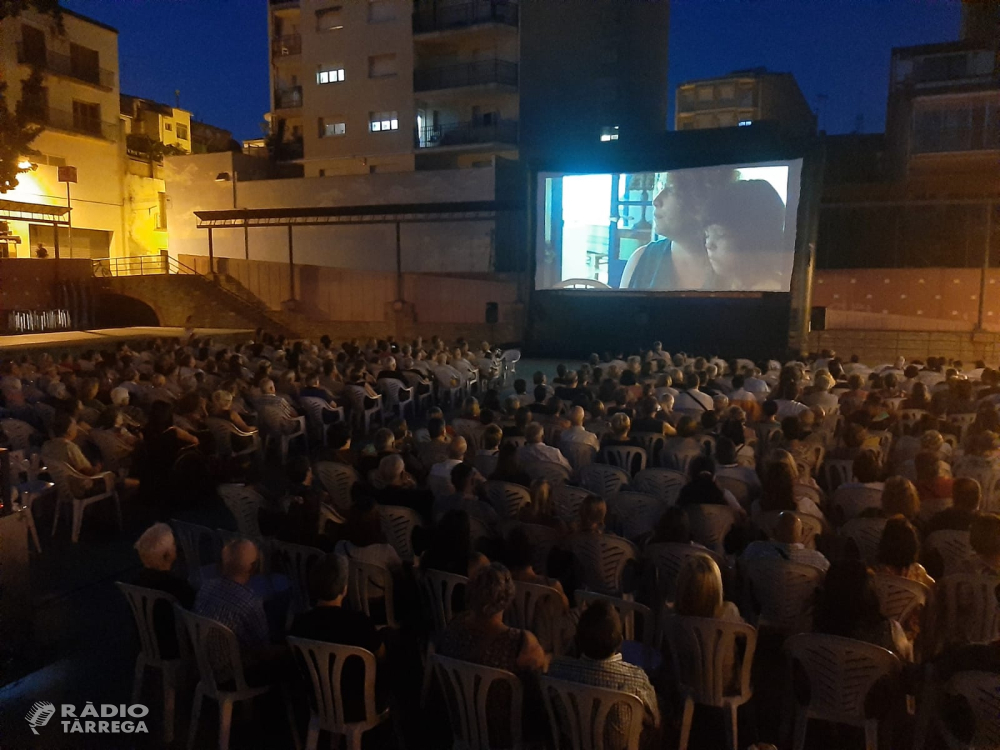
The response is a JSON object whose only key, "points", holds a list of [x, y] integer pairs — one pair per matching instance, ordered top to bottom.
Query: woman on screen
{"points": [[744, 238], [678, 262]]}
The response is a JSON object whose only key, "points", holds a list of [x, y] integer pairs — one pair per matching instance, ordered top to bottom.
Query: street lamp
{"points": [[26, 165], [234, 177]]}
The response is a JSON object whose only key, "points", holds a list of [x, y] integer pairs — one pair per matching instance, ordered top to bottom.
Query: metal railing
{"points": [[441, 17], [286, 46], [64, 65], [479, 73], [288, 98], [73, 123], [468, 133], [139, 265]]}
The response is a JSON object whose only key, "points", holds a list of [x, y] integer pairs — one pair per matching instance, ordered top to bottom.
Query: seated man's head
{"points": [[267, 386], [541, 393], [470, 408], [576, 416], [64, 425], [620, 425], [435, 428], [534, 433], [492, 436], [384, 440], [457, 448], [866, 467], [461, 478], [966, 494], [593, 511], [788, 530], [984, 536], [157, 548], [239, 560], [328, 580], [599, 631]]}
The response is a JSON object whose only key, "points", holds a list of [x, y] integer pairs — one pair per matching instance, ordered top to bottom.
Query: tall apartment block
{"points": [[366, 86]]}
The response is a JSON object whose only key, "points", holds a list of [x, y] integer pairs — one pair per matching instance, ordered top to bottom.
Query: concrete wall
{"points": [[447, 247], [31, 284], [877, 347]]}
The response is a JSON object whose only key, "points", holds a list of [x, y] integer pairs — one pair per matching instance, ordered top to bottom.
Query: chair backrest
{"points": [[313, 407], [912, 416], [963, 422], [18, 432], [222, 433], [517, 441], [652, 443], [707, 444], [114, 453], [578, 454], [627, 457], [678, 460], [550, 471], [837, 471], [602, 479], [337, 480], [665, 484], [738, 487], [507, 498], [567, 500], [851, 500], [243, 502], [636, 512], [398, 523], [710, 524], [811, 526], [865, 533], [542, 540], [199, 545], [953, 546], [667, 558], [295, 561], [601, 561], [366, 581], [438, 588], [784, 593], [899, 597], [143, 602], [533, 607], [967, 610], [628, 611], [703, 650], [216, 651], [323, 663], [841, 672], [467, 687], [981, 691], [580, 713]]}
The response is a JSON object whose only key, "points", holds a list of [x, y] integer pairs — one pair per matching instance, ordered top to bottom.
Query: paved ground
{"points": [[104, 337]]}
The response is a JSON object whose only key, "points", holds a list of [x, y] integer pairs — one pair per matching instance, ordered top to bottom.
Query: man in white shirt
{"points": [[755, 384], [822, 397], [691, 400], [576, 433], [534, 450], [439, 477], [786, 545]]}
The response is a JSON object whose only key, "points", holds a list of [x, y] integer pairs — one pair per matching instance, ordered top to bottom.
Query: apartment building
{"points": [[397, 85], [742, 98], [161, 123]]}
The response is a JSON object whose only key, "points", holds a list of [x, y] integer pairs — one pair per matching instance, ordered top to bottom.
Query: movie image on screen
{"points": [[713, 229]]}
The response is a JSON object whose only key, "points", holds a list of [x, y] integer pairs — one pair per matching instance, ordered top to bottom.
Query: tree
{"points": [[17, 130]]}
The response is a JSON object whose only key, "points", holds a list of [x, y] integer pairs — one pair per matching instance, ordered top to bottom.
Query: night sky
{"points": [[215, 51]]}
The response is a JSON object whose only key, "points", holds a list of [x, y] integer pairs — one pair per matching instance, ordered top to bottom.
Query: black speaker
{"points": [[492, 313], [817, 319]]}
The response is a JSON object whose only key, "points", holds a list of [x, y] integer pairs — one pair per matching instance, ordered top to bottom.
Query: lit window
{"points": [[381, 11], [329, 19], [381, 66], [330, 75], [381, 121], [744, 123], [331, 129], [182, 132], [609, 134]]}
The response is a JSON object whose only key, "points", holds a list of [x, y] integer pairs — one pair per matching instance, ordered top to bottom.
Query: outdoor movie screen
{"points": [[722, 228]]}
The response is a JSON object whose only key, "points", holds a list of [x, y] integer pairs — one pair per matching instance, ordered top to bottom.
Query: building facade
{"points": [[398, 85], [743, 98]]}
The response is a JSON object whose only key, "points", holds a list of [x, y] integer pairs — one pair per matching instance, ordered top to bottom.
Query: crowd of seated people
{"points": [[875, 479]]}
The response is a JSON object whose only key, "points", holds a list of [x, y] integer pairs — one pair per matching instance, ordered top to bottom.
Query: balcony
{"points": [[436, 16], [288, 45], [64, 65], [480, 73], [290, 98], [744, 101], [67, 121], [468, 134]]}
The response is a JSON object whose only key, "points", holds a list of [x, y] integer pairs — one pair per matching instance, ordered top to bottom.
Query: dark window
{"points": [[32, 45], [85, 63], [87, 117]]}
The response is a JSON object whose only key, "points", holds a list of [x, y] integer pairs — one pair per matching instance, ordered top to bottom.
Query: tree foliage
{"points": [[11, 8], [17, 131], [150, 148]]}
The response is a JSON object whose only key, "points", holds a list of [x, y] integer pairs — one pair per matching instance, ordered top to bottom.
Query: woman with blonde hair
{"points": [[222, 407], [804, 487], [900, 498], [699, 591]]}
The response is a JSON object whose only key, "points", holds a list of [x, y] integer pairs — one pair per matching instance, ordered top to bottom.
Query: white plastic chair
{"points": [[510, 358], [397, 397], [315, 410], [361, 416], [910, 417], [963, 422], [276, 426], [223, 431], [19, 433], [518, 441], [652, 443], [578, 454], [115, 455], [626, 457], [678, 460], [837, 471], [551, 472], [63, 475], [337, 480], [603, 480], [665, 484], [739, 488], [31, 489], [507, 498], [567, 500], [851, 500], [243, 502], [636, 512], [398, 524], [710, 524], [811, 526], [866, 533], [194, 540], [542, 540], [953, 546], [667, 559], [295, 561], [600, 561], [364, 582], [438, 590], [784, 593], [899, 597], [143, 603], [533, 609], [967, 609], [628, 612], [704, 651], [324, 664], [841, 672], [467, 689], [981, 691], [580, 713]]}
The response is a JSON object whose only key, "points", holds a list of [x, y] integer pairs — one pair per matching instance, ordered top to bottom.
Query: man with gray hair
{"points": [[576, 434], [535, 451], [158, 550]]}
